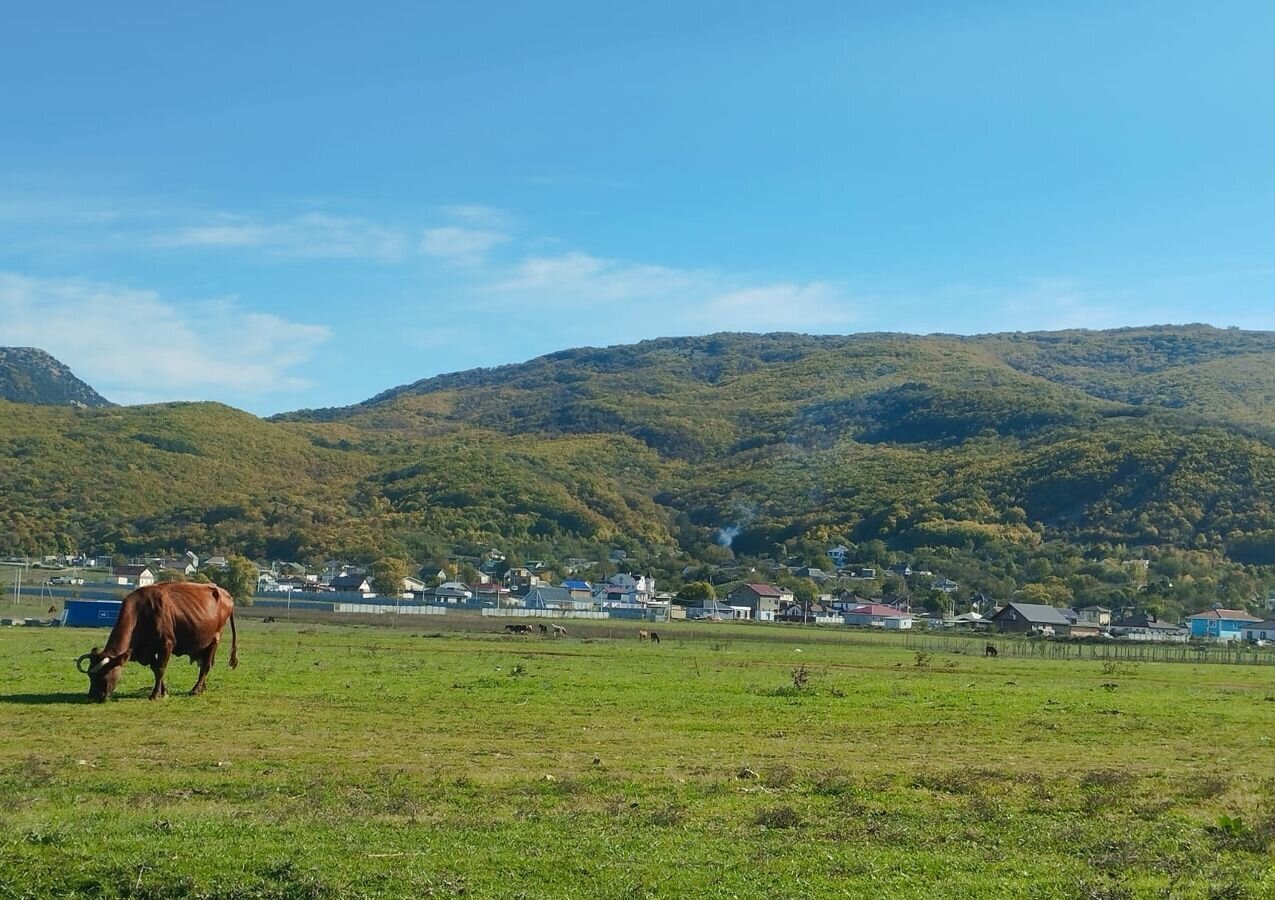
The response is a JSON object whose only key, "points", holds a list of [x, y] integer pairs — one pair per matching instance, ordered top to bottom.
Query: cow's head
{"points": [[103, 672]]}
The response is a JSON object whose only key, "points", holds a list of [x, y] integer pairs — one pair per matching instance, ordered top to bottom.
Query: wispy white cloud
{"points": [[478, 215], [313, 235], [461, 246], [580, 279], [668, 297], [1062, 303], [785, 306], [134, 346]]}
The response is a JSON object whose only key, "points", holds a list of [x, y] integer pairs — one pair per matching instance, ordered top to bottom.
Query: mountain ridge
{"points": [[30, 375]]}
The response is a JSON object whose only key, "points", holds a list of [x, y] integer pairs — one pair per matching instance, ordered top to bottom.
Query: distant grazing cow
{"points": [[53, 609], [268, 619], [157, 622], [515, 628], [544, 629], [559, 631], [643, 635], [655, 637], [990, 650]]}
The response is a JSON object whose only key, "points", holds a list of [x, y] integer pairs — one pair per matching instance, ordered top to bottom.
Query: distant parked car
{"points": [[65, 579]]}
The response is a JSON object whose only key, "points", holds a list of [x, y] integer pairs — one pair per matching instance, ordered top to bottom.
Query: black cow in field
{"points": [[269, 619], [157, 622], [515, 628], [544, 629], [990, 650]]}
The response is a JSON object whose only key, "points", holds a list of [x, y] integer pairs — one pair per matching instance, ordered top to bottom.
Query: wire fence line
{"points": [[1232, 654]]}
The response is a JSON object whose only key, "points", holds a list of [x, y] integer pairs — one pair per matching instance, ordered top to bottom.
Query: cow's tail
{"points": [[234, 642]]}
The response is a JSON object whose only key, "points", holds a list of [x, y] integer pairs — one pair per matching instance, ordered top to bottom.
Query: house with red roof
{"points": [[763, 600]]}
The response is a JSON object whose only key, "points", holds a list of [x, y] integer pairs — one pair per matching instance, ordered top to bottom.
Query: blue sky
{"points": [[286, 205]]}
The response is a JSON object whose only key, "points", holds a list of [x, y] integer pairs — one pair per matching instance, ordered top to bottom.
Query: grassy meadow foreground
{"points": [[343, 761]]}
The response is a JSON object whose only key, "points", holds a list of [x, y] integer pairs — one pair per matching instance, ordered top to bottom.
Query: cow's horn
{"points": [[79, 663], [101, 663]]}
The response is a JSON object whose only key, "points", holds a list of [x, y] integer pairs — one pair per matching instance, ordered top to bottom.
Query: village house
{"points": [[839, 555], [811, 572], [137, 576], [521, 579], [351, 582], [625, 589], [579, 590], [450, 592], [492, 592], [548, 597], [762, 600], [845, 600], [717, 610], [815, 613], [874, 615], [1094, 615], [1031, 618], [970, 619], [1220, 624], [1079, 626], [1145, 627], [1260, 631]]}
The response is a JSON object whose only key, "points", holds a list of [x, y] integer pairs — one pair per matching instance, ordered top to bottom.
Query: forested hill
{"points": [[28, 375], [1221, 375], [984, 452]]}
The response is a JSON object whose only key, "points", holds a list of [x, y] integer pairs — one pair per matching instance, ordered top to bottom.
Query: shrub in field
{"points": [[779, 777], [1105, 787], [667, 816], [777, 817], [1233, 833]]}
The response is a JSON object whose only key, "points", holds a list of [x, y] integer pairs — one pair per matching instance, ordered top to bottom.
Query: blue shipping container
{"points": [[90, 613]]}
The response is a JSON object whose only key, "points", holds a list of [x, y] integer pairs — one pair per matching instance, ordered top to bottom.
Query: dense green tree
{"points": [[387, 574], [239, 578], [696, 591]]}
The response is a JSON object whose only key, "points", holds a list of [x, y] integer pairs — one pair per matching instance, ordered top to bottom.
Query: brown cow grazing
{"points": [[156, 623], [559, 631], [643, 635]]}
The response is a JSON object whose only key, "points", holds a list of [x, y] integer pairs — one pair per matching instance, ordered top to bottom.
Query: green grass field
{"points": [[344, 761]]}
